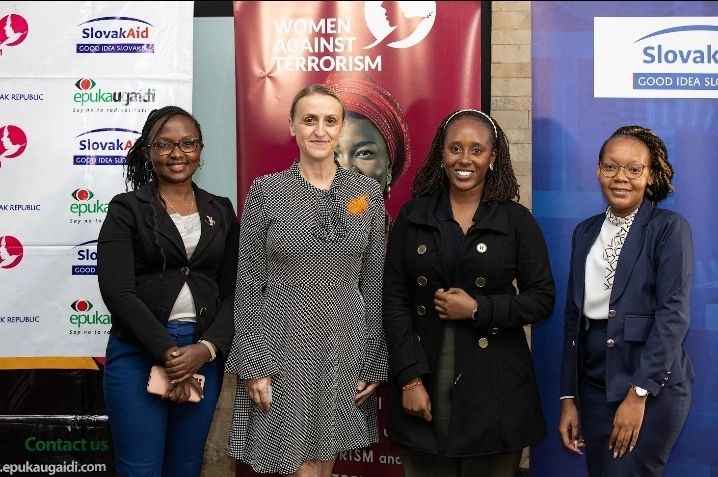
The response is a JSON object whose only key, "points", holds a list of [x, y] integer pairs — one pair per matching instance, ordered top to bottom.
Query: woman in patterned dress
{"points": [[309, 349]]}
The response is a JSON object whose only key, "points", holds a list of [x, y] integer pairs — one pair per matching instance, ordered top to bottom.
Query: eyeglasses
{"points": [[165, 148], [633, 171]]}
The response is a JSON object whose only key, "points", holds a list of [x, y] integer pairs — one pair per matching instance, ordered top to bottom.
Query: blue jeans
{"points": [[153, 437]]}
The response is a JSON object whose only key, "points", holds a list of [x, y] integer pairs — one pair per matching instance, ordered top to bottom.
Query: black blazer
{"points": [[142, 266], [649, 308], [495, 402]]}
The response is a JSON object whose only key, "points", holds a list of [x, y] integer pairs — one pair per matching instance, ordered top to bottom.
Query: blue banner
{"points": [[578, 101]]}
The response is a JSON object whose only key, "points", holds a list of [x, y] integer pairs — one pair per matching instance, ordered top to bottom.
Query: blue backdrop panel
{"points": [[569, 126]]}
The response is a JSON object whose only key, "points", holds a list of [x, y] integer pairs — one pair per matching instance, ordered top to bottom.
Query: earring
{"points": [[441, 164], [149, 165], [201, 165], [491, 166]]}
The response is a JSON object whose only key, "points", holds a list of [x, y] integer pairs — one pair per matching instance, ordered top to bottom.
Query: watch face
{"points": [[640, 391]]}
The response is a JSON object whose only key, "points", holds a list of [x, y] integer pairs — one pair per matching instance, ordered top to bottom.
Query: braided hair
{"points": [[659, 167], [139, 170], [500, 183]]}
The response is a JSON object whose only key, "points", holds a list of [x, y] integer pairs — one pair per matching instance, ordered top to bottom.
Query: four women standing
{"points": [[466, 269]]}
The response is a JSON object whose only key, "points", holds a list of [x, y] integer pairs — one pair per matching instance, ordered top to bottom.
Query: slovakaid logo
{"points": [[13, 30], [105, 35], [661, 57], [89, 93], [13, 142], [103, 146], [11, 252], [85, 258], [84, 313]]}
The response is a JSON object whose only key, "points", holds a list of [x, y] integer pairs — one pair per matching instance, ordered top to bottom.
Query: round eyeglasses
{"points": [[165, 148], [632, 171]]}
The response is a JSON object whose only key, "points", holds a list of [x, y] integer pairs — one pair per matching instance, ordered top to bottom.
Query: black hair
{"points": [[659, 167], [138, 169], [501, 183]]}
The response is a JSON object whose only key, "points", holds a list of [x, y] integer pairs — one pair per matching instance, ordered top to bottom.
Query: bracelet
{"points": [[210, 347], [406, 387]]}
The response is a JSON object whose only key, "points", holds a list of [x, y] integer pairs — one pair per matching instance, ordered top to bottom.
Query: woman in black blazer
{"points": [[166, 267], [626, 379], [466, 401]]}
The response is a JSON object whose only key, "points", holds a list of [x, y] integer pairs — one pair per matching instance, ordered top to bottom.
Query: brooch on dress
{"points": [[358, 205], [210, 221]]}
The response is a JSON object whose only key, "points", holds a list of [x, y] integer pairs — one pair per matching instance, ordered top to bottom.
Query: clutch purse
{"points": [[158, 383]]}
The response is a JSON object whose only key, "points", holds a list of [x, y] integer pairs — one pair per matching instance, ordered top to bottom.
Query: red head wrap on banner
{"points": [[365, 97]]}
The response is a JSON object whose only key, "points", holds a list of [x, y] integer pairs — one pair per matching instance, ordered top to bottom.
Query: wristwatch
{"points": [[640, 392]]}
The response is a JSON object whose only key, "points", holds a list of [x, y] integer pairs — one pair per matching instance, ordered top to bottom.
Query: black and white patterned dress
{"points": [[308, 314]]}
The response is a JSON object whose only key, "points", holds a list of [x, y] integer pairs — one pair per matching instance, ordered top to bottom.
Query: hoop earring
{"points": [[149, 165]]}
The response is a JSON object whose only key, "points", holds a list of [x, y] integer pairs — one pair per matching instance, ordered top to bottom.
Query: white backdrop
{"points": [[77, 81]]}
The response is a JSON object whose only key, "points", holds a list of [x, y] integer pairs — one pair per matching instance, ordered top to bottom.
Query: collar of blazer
{"points": [[209, 213], [489, 216], [629, 253]]}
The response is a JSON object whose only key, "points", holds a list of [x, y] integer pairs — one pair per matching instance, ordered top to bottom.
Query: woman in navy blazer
{"points": [[626, 379]]}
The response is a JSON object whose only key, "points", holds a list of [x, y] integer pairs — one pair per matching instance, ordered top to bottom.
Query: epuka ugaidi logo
{"points": [[85, 208], [83, 315]]}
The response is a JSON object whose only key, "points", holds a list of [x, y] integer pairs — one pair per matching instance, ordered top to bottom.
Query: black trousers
{"points": [[663, 420]]}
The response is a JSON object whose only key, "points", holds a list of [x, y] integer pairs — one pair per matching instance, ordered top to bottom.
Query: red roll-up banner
{"points": [[399, 67]]}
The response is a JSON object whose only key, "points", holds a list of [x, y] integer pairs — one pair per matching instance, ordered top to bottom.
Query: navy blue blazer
{"points": [[649, 308]]}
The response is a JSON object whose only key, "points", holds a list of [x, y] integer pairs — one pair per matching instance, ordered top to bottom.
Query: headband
{"points": [[467, 110]]}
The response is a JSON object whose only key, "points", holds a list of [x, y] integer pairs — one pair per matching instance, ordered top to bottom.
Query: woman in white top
{"points": [[167, 267]]}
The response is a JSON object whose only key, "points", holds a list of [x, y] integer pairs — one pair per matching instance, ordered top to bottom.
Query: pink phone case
{"points": [[158, 383]]}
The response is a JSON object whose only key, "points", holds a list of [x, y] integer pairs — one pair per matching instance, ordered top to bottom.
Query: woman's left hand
{"points": [[454, 304], [187, 362], [364, 390], [627, 424]]}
